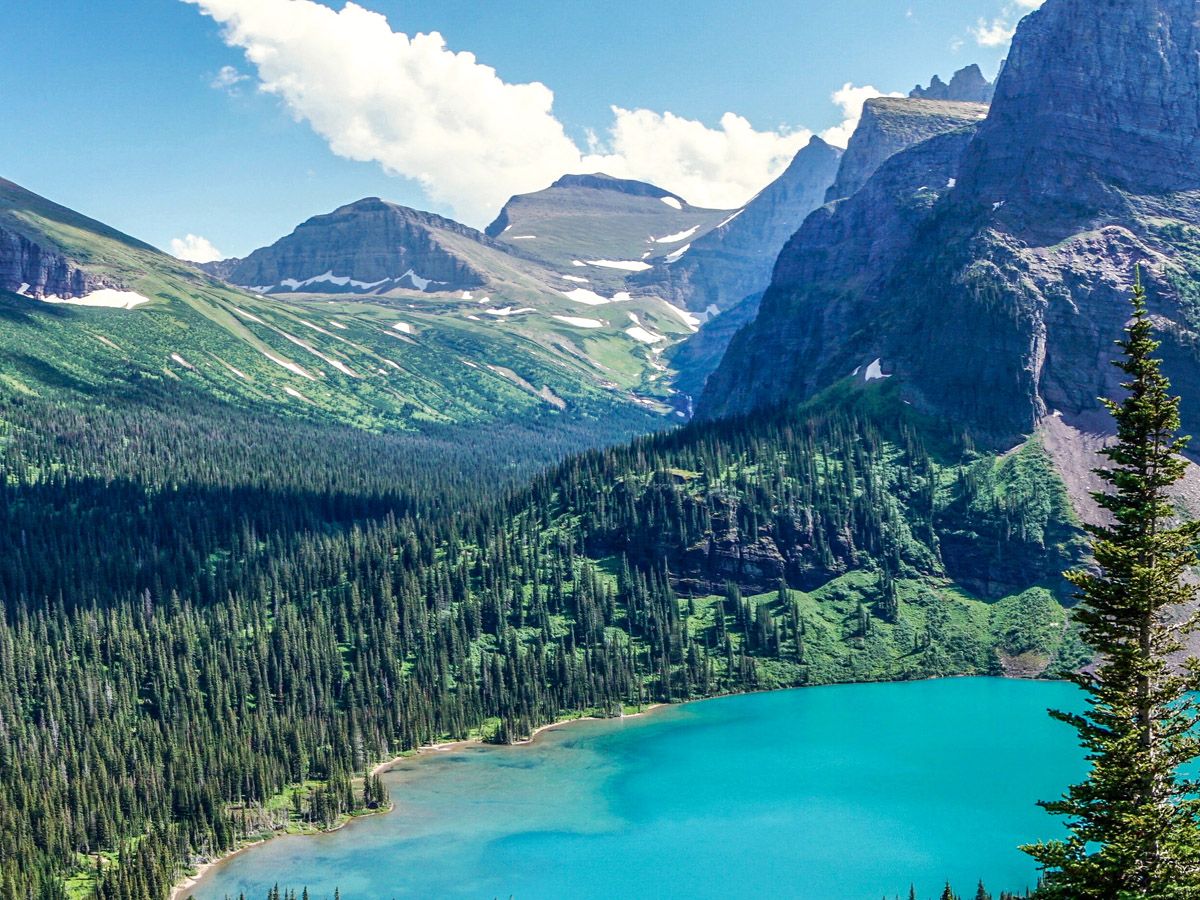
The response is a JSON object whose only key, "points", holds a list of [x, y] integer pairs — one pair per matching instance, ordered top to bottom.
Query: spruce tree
{"points": [[1133, 821]]}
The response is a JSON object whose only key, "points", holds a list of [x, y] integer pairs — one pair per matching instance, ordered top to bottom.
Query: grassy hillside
{"points": [[408, 360]]}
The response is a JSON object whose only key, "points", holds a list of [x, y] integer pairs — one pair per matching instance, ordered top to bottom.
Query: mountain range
{"points": [[985, 272], [273, 520]]}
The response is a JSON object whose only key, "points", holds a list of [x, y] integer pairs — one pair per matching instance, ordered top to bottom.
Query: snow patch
{"points": [[952, 183], [673, 203], [731, 218], [523, 237], [677, 237], [678, 254], [579, 264], [624, 265], [576, 279], [417, 281], [294, 284], [22, 289], [467, 295], [586, 297], [621, 297], [106, 298], [509, 311], [247, 316], [688, 319], [578, 322], [338, 325], [403, 327], [638, 333], [183, 362], [290, 366], [875, 371], [292, 392]]}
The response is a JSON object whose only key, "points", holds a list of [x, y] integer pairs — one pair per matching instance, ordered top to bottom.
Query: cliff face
{"points": [[1097, 96], [892, 124], [370, 245], [49, 250], [735, 260], [40, 271], [829, 283], [995, 303]]}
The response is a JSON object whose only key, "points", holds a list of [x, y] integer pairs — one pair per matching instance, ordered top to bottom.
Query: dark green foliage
{"points": [[210, 626], [1133, 822]]}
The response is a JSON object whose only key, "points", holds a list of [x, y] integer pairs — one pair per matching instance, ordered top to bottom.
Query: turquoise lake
{"points": [[838, 793]]}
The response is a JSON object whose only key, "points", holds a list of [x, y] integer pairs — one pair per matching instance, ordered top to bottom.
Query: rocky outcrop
{"points": [[967, 86], [892, 124], [368, 246], [735, 260], [34, 262], [33, 269], [989, 276], [830, 282]]}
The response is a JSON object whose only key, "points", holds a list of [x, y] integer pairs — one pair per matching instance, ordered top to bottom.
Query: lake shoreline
{"points": [[190, 882]]}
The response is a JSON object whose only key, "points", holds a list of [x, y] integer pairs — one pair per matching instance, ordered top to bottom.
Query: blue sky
{"points": [[119, 109]]}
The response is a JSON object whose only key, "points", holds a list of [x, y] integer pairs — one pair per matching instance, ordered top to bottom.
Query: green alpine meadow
{"points": [[624, 452]]}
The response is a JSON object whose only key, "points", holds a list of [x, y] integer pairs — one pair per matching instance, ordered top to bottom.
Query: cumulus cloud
{"points": [[998, 31], [850, 98], [451, 123], [719, 167], [194, 248]]}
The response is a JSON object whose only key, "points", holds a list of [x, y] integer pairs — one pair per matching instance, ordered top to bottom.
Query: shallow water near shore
{"points": [[842, 792]]}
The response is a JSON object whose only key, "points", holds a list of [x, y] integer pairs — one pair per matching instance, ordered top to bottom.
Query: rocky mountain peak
{"points": [[969, 85], [1096, 94], [892, 124], [601, 182], [368, 245], [989, 275]]}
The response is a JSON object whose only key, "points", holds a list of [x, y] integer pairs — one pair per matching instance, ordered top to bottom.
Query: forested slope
{"points": [[201, 613]]}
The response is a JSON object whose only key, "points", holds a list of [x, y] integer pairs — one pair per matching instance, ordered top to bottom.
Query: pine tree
{"points": [[1133, 824]]}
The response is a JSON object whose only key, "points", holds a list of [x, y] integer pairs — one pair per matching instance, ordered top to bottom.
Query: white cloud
{"points": [[998, 31], [228, 79], [850, 98], [469, 138], [717, 167], [194, 248]]}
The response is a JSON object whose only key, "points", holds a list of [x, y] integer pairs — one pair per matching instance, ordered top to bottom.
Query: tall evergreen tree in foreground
{"points": [[1133, 822]]}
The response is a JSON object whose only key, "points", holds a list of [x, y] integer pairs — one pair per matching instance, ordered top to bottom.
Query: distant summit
{"points": [[967, 86], [602, 182], [613, 226], [366, 246]]}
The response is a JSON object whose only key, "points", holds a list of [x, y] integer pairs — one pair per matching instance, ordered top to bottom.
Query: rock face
{"points": [[967, 86], [891, 124], [368, 246], [735, 260], [31, 261], [38, 271], [989, 275], [812, 326]]}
